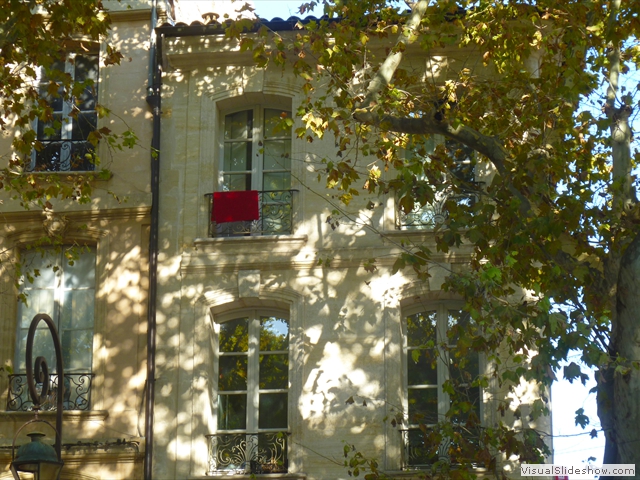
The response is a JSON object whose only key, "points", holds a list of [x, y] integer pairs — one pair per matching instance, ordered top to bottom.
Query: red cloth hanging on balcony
{"points": [[235, 206]]}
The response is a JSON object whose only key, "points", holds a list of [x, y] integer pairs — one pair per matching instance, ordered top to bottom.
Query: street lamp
{"points": [[37, 460]]}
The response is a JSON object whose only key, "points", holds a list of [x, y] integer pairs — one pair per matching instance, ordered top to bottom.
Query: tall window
{"points": [[63, 138], [257, 151], [462, 174], [254, 184], [65, 290], [432, 360], [252, 394]]}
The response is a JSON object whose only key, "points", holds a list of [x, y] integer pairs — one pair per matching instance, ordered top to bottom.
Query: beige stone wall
{"points": [[346, 323], [107, 439]]}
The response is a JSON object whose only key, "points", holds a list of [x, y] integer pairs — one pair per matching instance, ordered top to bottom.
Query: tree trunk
{"points": [[625, 408]]}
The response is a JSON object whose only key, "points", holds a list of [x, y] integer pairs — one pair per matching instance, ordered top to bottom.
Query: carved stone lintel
{"points": [[55, 225]]}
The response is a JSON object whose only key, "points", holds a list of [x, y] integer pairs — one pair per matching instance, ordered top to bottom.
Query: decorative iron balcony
{"points": [[64, 156], [430, 215], [276, 217], [77, 392], [423, 448], [247, 453]]}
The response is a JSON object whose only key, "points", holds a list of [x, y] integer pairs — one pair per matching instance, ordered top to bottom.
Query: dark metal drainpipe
{"points": [[153, 100]]}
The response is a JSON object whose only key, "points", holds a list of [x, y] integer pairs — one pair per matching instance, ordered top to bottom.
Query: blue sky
{"points": [[279, 8], [572, 444]]}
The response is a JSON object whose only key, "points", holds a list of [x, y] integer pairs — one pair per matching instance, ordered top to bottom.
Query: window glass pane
{"points": [[86, 68], [55, 101], [272, 120], [83, 125], [238, 125], [48, 131], [277, 155], [65, 156], [237, 157], [463, 160], [277, 181], [234, 183], [40, 267], [82, 273], [67, 295], [38, 301], [77, 309], [457, 322], [421, 329], [274, 334], [234, 336], [42, 347], [77, 350], [464, 369], [274, 371], [424, 371], [462, 372], [232, 373], [471, 395], [423, 405], [273, 410], [232, 412]]}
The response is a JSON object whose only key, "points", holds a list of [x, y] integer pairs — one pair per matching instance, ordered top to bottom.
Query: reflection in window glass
{"points": [[274, 334], [234, 336], [432, 356], [274, 371], [232, 373], [253, 373], [273, 410], [232, 412]]}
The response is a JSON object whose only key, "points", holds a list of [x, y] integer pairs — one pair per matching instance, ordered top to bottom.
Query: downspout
{"points": [[153, 100]]}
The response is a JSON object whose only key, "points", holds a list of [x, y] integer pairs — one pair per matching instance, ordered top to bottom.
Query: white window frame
{"points": [[257, 142], [442, 309], [253, 368], [238, 451]]}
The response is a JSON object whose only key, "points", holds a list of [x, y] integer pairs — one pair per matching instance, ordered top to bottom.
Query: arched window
{"points": [[257, 150], [253, 191], [434, 359], [252, 393]]}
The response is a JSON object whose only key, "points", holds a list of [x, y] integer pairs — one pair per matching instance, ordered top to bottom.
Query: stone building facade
{"points": [[99, 303], [273, 345]]}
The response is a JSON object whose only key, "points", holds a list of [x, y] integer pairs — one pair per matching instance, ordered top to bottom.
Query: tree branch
{"points": [[390, 65]]}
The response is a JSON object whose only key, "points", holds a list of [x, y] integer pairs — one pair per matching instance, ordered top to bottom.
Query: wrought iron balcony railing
{"points": [[64, 156], [432, 214], [276, 217], [77, 392], [423, 448], [247, 453]]}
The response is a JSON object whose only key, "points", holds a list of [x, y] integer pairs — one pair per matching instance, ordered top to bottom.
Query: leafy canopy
{"points": [[35, 37], [535, 90]]}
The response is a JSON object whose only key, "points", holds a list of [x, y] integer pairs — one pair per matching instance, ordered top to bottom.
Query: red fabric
{"points": [[235, 206]]}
